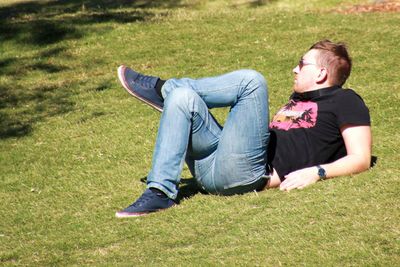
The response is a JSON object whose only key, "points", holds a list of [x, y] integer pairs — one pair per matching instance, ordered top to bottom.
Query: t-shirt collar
{"points": [[314, 94]]}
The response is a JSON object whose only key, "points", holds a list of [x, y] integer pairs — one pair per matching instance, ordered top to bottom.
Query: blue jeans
{"points": [[224, 160]]}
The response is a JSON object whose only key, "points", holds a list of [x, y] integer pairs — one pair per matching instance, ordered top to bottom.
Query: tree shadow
{"points": [[253, 3], [49, 22], [41, 23], [43, 26], [32, 106], [13, 128]]}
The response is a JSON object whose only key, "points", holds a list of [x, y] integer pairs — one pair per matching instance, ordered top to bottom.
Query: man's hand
{"points": [[300, 179]]}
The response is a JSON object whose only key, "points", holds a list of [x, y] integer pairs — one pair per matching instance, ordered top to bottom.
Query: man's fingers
{"points": [[289, 185]]}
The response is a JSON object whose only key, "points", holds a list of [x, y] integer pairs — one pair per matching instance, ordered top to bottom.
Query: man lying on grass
{"points": [[322, 132]]}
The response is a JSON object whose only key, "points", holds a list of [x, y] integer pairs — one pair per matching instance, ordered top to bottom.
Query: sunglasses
{"points": [[303, 63]]}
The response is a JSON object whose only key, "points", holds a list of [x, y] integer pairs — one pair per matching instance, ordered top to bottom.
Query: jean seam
{"points": [[207, 127]]}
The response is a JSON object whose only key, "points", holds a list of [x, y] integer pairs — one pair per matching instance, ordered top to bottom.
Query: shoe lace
{"points": [[145, 80]]}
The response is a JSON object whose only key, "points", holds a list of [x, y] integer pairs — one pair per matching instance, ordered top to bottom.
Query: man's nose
{"points": [[296, 69]]}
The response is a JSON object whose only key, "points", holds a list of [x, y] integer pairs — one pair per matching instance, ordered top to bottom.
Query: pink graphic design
{"points": [[295, 115]]}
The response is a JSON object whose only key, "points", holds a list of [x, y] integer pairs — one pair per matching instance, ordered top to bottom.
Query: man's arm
{"points": [[358, 142]]}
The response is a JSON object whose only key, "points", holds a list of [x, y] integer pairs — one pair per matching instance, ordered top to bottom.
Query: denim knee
{"points": [[254, 79], [182, 98]]}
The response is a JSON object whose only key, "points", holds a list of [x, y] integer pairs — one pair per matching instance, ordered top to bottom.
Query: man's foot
{"points": [[141, 86], [151, 200]]}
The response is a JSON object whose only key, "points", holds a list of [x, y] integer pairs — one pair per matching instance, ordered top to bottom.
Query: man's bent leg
{"points": [[185, 116], [189, 116], [240, 160]]}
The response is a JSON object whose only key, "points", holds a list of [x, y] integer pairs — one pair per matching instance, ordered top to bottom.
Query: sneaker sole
{"points": [[121, 77], [119, 214], [128, 215]]}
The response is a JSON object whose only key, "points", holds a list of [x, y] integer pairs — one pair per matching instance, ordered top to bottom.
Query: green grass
{"points": [[74, 145]]}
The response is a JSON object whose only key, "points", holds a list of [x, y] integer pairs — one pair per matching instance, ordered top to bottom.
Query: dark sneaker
{"points": [[141, 86], [148, 202]]}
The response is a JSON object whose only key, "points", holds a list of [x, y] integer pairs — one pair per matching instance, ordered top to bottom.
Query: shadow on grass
{"points": [[253, 3], [49, 22], [43, 26], [20, 106], [31, 106], [187, 188]]}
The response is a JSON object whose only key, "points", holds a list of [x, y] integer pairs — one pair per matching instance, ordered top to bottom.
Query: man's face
{"points": [[306, 72]]}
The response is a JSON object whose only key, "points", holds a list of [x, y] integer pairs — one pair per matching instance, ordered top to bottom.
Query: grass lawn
{"points": [[74, 145]]}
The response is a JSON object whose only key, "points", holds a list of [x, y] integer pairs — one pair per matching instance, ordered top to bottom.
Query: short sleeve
{"points": [[351, 109]]}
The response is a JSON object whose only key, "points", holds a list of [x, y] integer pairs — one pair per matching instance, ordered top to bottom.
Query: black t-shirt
{"points": [[306, 131]]}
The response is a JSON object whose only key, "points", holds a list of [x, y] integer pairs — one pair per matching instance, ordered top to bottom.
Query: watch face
{"points": [[321, 172]]}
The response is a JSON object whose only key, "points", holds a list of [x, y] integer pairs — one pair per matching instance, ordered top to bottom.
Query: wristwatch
{"points": [[321, 173]]}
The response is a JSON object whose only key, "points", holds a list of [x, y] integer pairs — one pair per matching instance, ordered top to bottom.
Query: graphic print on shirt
{"points": [[295, 115]]}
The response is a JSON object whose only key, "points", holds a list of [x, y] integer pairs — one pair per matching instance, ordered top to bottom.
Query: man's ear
{"points": [[322, 76]]}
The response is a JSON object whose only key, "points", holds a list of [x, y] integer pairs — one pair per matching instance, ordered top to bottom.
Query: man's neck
{"points": [[317, 87]]}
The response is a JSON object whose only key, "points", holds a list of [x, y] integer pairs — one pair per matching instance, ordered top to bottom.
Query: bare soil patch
{"points": [[376, 6]]}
